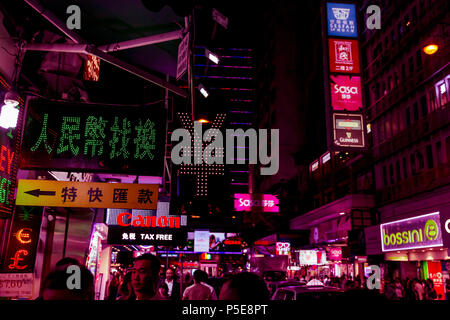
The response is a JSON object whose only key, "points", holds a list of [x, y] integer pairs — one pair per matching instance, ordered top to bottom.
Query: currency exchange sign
{"points": [[69, 136]]}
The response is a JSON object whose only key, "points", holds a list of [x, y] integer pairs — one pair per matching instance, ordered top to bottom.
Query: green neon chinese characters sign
{"points": [[94, 137]]}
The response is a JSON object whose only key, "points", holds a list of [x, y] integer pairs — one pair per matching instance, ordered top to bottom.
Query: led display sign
{"points": [[341, 19], [344, 56], [346, 93], [71, 136], [255, 202], [412, 233], [23, 239]]}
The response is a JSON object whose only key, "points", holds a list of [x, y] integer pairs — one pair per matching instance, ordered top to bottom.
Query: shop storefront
{"points": [[336, 238], [414, 247]]}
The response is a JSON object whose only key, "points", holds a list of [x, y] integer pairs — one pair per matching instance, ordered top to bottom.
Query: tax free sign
{"points": [[413, 233]]}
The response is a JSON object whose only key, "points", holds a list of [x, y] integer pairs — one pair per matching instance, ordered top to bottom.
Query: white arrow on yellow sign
{"points": [[50, 193]]}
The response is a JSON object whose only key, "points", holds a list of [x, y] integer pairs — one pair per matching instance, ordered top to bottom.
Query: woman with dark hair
{"points": [[125, 289], [430, 292]]}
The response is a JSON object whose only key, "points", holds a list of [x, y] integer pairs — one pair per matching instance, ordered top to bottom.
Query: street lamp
{"points": [[431, 49], [212, 56], [203, 91]]}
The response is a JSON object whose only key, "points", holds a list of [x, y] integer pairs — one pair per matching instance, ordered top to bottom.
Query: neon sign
{"points": [[343, 54], [346, 93], [94, 137], [251, 202], [148, 221], [412, 233], [283, 248]]}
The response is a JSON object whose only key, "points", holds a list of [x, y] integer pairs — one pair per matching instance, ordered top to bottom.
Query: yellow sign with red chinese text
{"points": [[50, 193]]}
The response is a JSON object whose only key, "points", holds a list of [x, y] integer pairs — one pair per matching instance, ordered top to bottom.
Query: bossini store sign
{"points": [[412, 233]]}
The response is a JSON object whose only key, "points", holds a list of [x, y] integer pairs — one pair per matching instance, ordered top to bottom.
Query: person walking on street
{"points": [[145, 276], [172, 285], [398, 290], [197, 291], [430, 292]]}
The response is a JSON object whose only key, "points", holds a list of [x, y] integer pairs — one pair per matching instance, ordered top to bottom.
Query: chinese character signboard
{"points": [[341, 19], [344, 56], [343, 85], [346, 93], [348, 130], [70, 136], [51, 193], [255, 202], [412, 233], [139, 236], [23, 239]]}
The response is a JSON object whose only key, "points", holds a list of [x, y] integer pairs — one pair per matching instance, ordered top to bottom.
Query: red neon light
{"points": [[140, 221], [17, 258]]}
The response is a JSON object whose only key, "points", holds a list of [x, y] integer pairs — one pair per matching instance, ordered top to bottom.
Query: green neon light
{"points": [[69, 125], [123, 132], [95, 134], [43, 137], [145, 140]]}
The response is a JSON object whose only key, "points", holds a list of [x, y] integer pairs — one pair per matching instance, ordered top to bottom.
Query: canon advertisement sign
{"points": [[346, 93]]}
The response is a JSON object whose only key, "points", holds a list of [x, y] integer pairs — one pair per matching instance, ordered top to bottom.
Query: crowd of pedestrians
{"points": [[145, 281]]}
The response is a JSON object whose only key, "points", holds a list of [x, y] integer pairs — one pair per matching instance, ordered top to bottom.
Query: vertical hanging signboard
{"points": [[344, 98]]}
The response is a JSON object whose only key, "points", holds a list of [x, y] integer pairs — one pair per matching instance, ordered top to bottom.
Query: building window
{"points": [[400, 29], [419, 58], [411, 65], [442, 92], [432, 100], [423, 106], [416, 111], [407, 117], [387, 124], [447, 142], [429, 151], [439, 159], [420, 160], [412, 162], [405, 168], [398, 171], [391, 173], [385, 180]]}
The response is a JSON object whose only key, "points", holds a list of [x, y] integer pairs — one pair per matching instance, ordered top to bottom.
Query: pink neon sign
{"points": [[346, 93], [255, 202]]}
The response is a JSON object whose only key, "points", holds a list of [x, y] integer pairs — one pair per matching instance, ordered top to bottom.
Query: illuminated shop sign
{"points": [[341, 19], [344, 56], [346, 93], [348, 130], [71, 136], [326, 157], [255, 202], [124, 219], [412, 233], [139, 236], [23, 239], [283, 248], [334, 253], [312, 257]]}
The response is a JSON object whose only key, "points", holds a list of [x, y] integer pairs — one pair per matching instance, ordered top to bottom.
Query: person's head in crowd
{"points": [[65, 262], [170, 274], [145, 276], [198, 276], [57, 285], [245, 286], [164, 290], [126, 291]]}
